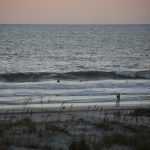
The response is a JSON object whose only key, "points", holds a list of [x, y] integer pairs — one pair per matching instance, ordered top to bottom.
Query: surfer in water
{"points": [[58, 81], [118, 100]]}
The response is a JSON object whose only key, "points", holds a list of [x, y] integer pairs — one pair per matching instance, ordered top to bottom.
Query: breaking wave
{"points": [[81, 75]]}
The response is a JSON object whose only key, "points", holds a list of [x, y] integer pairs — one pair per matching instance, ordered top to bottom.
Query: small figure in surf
{"points": [[58, 81], [126, 82], [118, 100]]}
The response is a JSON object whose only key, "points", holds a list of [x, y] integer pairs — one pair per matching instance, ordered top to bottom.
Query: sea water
{"points": [[92, 62]]}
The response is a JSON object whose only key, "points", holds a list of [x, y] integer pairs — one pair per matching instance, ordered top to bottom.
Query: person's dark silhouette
{"points": [[118, 100]]}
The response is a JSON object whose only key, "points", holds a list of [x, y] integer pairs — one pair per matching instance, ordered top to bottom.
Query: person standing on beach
{"points": [[118, 100]]}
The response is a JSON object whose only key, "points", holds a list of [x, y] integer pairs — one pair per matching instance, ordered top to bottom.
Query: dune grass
{"points": [[30, 133]]}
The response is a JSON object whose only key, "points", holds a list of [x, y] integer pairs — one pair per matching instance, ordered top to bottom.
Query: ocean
{"points": [[92, 63]]}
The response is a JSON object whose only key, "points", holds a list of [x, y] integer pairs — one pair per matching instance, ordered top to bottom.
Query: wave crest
{"points": [[81, 75]]}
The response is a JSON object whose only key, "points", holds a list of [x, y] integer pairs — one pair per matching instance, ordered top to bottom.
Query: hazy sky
{"points": [[74, 11]]}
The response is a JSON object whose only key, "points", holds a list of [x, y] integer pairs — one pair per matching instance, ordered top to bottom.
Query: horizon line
{"points": [[74, 23]]}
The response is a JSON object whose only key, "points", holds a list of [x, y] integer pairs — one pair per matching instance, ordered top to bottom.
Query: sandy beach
{"points": [[61, 127]]}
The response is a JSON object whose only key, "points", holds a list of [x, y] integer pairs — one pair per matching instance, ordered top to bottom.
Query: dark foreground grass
{"points": [[141, 112], [104, 124], [112, 133], [134, 142], [79, 145]]}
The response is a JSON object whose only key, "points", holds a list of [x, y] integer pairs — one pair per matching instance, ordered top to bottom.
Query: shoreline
{"points": [[78, 106]]}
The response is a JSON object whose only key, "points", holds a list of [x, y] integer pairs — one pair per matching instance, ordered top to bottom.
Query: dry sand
{"points": [[57, 126]]}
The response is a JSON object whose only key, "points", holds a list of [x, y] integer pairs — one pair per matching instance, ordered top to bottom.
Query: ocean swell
{"points": [[81, 75]]}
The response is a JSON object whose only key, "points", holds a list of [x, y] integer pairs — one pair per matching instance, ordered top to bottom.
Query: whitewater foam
{"points": [[81, 75]]}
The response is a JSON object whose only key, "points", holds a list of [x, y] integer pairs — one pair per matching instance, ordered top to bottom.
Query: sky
{"points": [[74, 11]]}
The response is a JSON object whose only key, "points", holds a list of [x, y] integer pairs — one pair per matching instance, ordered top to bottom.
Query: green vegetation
{"points": [[141, 112], [28, 123], [104, 124], [54, 128], [75, 134], [136, 141], [79, 145]]}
